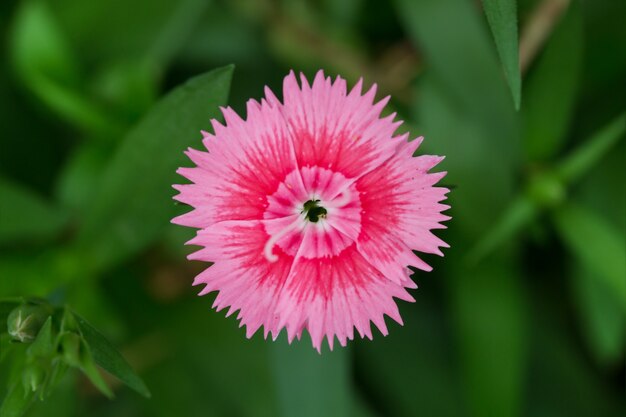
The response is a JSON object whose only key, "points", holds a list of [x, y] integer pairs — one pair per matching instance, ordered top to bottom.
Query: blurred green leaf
{"points": [[502, 17], [109, 31], [173, 34], [45, 62], [466, 67], [128, 88], [551, 88], [464, 106], [591, 151], [76, 184], [134, 202], [25, 216], [516, 217], [596, 244], [39, 272], [490, 315], [602, 317], [106, 356], [408, 372], [561, 380], [324, 386], [17, 401]]}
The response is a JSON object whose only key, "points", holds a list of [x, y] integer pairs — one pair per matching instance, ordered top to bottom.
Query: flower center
{"points": [[313, 211]]}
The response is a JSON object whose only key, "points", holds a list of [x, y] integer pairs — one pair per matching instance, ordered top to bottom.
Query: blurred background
{"points": [[525, 315]]}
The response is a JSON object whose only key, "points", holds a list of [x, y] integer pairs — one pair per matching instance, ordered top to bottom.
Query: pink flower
{"points": [[310, 210]]}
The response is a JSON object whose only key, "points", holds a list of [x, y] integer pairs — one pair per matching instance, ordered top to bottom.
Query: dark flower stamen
{"points": [[314, 211]]}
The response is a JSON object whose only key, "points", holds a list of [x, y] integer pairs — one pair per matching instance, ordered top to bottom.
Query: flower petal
{"points": [[337, 130], [246, 163], [399, 208], [332, 295]]}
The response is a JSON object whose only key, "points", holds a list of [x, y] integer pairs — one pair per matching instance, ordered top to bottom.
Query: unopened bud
{"points": [[547, 190], [25, 321], [70, 345], [33, 377]]}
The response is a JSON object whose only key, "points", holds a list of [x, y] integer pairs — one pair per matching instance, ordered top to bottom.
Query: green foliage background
{"points": [[525, 315]]}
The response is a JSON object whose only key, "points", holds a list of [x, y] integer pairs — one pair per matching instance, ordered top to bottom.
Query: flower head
{"points": [[310, 210]]}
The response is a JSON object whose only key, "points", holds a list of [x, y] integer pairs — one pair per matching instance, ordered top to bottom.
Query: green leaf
{"points": [[502, 18], [109, 31], [47, 66], [466, 67], [551, 88], [464, 107], [590, 153], [470, 158], [76, 184], [134, 201], [26, 216], [517, 216], [596, 244], [39, 272], [490, 315], [602, 317], [43, 346], [107, 357], [414, 367], [89, 368], [560, 370], [58, 371], [323, 387], [17, 401]]}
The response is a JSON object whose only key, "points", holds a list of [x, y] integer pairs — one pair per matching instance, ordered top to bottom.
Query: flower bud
{"points": [[547, 190], [25, 321], [70, 345], [33, 377]]}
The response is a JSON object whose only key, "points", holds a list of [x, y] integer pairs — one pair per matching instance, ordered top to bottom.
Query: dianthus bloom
{"points": [[310, 210]]}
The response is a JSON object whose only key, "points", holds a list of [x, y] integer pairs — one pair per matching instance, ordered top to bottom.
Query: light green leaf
{"points": [[502, 18], [109, 31], [47, 66], [551, 88], [591, 151], [76, 184], [134, 201], [25, 216], [517, 216], [596, 244], [39, 272], [602, 317], [107, 357], [323, 381], [17, 401]]}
